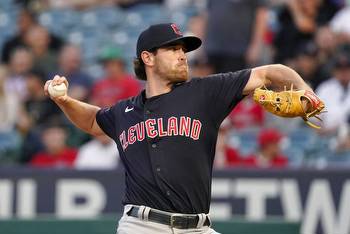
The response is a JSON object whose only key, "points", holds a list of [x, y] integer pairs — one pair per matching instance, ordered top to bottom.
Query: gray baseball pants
{"points": [[132, 225]]}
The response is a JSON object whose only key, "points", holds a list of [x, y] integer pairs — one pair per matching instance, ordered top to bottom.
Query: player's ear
{"points": [[147, 58]]}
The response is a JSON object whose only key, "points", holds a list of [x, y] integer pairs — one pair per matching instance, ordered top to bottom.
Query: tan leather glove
{"points": [[289, 103]]}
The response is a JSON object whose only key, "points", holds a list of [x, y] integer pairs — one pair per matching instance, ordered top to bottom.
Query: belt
{"points": [[174, 220]]}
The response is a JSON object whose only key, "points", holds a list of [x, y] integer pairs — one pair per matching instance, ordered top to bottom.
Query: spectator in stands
{"points": [[131, 3], [86, 4], [25, 20], [297, 23], [340, 25], [196, 26], [235, 33], [234, 40], [38, 41], [326, 43], [197, 60], [21, 61], [307, 64], [70, 67], [200, 67], [116, 84], [335, 92], [9, 104], [38, 107], [37, 110], [9, 111], [247, 114], [56, 153], [99, 153], [269, 154], [226, 155]]}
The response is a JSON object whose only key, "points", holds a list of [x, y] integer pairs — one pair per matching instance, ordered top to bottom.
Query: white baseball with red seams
{"points": [[57, 90]]}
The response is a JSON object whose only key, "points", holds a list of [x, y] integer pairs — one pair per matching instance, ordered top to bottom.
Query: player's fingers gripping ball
{"points": [[57, 90], [289, 103]]}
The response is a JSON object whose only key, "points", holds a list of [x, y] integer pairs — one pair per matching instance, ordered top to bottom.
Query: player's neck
{"points": [[155, 87]]}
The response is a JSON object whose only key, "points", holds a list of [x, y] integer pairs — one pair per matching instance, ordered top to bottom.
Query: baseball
{"points": [[57, 90]]}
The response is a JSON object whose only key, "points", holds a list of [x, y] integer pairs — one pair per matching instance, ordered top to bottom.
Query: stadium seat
{"points": [[7, 5], [149, 14], [181, 16], [110, 17], [89, 19], [7, 23], [246, 141], [9, 146]]}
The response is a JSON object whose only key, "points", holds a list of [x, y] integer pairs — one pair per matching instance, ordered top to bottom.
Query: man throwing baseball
{"points": [[167, 134]]}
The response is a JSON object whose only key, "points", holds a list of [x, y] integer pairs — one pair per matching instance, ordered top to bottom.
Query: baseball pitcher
{"points": [[167, 134]]}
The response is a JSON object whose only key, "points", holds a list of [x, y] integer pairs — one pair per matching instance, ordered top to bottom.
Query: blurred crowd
{"points": [[312, 37]]}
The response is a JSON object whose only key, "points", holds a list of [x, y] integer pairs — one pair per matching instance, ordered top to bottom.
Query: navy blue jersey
{"points": [[167, 142]]}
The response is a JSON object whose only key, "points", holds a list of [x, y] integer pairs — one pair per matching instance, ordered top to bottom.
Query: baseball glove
{"points": [[289, 103]]}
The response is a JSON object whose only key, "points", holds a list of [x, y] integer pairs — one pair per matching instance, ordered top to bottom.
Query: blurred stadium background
{"points": [[271, 175]]}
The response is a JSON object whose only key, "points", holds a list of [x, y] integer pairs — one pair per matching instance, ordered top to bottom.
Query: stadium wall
{"points": [[318, 200]]}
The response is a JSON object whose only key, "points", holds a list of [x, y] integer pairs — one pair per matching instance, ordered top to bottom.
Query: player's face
{"points": [[171, 63]]}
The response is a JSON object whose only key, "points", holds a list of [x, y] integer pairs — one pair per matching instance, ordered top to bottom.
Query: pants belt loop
{"points": [[127, 209], [140, 212], [146, 213], [208, 216], [201, 220]]}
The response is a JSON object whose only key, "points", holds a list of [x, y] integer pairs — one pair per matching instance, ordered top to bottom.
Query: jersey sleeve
{"points": [[224, 91], [106, 119]]}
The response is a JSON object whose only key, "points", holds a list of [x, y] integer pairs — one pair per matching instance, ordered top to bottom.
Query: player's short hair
{"points": [[139, 66], [139, 69]]}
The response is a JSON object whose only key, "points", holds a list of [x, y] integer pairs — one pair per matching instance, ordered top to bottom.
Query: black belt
{"points": [[180, 221]]}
